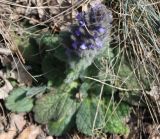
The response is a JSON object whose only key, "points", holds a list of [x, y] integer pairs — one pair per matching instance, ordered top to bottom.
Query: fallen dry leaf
{"points": [[41, 12], [5, 86], [155, 94], [18, 121], [3, 122], [16, 125], [153, 131], [30, 132], [8, 135], [49, 137]]}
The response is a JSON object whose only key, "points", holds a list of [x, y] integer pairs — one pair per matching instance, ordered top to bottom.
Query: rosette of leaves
{"points": [[62, 111]]}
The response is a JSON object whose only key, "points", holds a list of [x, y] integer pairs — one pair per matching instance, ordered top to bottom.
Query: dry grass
{"points": [[136, 33]]}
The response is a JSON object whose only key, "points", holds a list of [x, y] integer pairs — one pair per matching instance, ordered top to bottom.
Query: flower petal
{"points": [[75, 45], [83, 46]]}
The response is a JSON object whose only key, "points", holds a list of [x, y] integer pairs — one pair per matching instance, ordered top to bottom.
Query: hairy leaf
{"points": [[49, 40], [53, 44], [78, 65], [53, 69], [126, 75], [84, 88], [36, 90], [18, 102], [46, 107], [62, 118], [115, 118], [85, 119]]}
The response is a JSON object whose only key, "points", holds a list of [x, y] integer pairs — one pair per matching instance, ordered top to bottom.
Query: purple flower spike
{"points": [[79, 16], [81, 19], [82, 23], [92, 28], [101, 30], [77, 32], [95, 35], [98, 43], [74, 45], [83, 46], [91, 46]]}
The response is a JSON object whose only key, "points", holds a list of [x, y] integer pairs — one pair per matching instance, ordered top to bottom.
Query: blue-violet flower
{"points": [[92, 28]]}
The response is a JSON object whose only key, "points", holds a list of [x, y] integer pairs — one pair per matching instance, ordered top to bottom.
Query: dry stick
{"points": [[72, 2], [119, 88], [100, 97]]}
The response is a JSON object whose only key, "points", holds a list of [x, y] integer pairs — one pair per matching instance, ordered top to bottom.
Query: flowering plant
{"points": [[92, 29], [88, 38]]}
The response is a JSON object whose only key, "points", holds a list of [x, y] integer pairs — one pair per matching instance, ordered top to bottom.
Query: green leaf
{"points": [[49, 40], [53, 44], [30, 50], [60, 54], [53, 69], [126, 74], [128, 77], [85, 86], [66, 88], [36, 90], [133, 98], [18, 102], [46, 106], [57, 109], [86, 116], [115, 118], [62, 119]]}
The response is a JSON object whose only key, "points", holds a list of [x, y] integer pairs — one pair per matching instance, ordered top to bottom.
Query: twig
{"points": [[119, 88]]}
